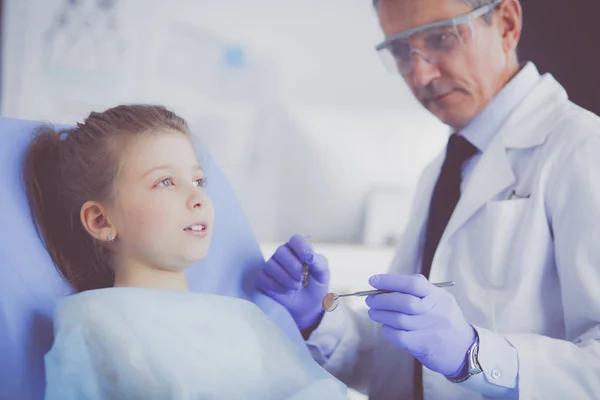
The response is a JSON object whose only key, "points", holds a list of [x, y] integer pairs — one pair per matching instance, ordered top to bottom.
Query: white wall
{"points": [[306, 128]]}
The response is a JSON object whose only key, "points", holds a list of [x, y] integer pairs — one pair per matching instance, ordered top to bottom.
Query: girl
{"points": [[120, 203]]}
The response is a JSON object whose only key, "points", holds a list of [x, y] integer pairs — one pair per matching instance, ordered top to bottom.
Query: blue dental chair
{"points": [[29, 282]]}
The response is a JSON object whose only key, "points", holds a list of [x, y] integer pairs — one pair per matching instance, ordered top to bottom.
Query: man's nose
{"points": [[423, 70]]}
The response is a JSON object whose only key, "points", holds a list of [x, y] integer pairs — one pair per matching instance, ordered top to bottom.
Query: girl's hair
{"points": [[64, 169]]}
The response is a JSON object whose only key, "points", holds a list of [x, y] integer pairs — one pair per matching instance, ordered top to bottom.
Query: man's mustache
{"points": [[434, 89]]}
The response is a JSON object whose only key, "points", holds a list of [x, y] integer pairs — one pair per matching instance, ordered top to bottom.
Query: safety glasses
{"points": [[435, 42]]}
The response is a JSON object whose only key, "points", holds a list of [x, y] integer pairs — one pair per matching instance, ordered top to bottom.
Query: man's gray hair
{"points": [[472, 3]]}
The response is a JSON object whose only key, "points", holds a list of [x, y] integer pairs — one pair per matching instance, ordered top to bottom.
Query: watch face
{"points": [[474, 367]]}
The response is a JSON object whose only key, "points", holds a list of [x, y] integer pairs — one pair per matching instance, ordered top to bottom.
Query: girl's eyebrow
{"points": [[167, 167], [159, 168]]}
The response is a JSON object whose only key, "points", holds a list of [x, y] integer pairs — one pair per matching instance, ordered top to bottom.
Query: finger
{"points": [[302, 249], [289, 261], [319, 269], [276, 271], [268, 285], [416, 285], [437, 296], [398, 302], [398, 321], [396, 336], [411, 341]]}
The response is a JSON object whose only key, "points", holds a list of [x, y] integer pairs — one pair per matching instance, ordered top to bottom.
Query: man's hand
{"points": [[281, 278], [422, 319]]}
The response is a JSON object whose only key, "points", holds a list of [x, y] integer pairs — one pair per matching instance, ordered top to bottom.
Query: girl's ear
{"points": [[95, 220]]}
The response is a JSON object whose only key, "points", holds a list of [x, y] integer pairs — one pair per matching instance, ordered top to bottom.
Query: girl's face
{"points": [[162, 215]]}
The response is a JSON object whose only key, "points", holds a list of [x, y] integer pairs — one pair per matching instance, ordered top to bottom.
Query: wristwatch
{"points": [[473, 367]]}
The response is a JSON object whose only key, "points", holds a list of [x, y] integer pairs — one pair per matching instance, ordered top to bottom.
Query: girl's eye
{"points": [[165, 182], [199, 182]]}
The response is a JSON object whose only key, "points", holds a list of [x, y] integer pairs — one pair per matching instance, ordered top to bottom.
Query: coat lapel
{"points": [[494, 171], [491, 176]]}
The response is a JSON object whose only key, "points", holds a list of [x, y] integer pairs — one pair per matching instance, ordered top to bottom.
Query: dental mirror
{"points": [[332, 300]]}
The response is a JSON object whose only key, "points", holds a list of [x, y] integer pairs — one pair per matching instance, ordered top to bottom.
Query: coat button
{"points": [[496, 374]]}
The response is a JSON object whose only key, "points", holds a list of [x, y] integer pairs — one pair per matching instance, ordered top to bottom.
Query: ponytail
{"points": [[82, 261]]}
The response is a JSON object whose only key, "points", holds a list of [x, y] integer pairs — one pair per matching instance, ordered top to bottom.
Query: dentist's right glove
{"points": [[281, 279], [422, 319]]}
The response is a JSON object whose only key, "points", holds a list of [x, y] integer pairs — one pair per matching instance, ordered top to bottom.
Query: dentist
{"points": [[510, 211]]}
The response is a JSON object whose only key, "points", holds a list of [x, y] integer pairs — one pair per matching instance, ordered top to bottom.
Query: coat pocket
{"points": [[505, 227]]}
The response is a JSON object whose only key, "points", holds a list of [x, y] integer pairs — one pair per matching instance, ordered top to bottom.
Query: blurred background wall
{"points": [[562, 38], [290, 97]]}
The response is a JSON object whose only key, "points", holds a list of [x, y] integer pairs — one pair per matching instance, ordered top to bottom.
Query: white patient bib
{"points": [[134, 343]]}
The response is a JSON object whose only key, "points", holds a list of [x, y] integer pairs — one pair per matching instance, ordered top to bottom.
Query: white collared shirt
{"points": [[481, 130]]}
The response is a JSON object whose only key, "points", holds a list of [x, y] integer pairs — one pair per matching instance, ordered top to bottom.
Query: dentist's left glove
{"points": [[281, 279], [422, 319]]}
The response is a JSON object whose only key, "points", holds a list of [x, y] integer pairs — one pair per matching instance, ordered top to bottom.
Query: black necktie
{"points": [[445, 196], [443, 201]]}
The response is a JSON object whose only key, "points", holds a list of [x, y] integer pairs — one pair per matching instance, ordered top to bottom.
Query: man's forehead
{"points": [[397, 16]]}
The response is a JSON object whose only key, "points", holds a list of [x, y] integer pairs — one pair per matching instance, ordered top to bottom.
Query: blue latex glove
{"points": [[281, 279], [422, 319]]}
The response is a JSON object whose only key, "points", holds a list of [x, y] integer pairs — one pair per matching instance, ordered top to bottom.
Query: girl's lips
{"points": [[199, 229], [202, 233]]}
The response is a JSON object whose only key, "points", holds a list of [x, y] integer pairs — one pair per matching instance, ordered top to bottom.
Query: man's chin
{"points": [[452, 116], [454, 121]]}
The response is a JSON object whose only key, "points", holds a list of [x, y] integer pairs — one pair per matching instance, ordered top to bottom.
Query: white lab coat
{"points": [[527, 269]]}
